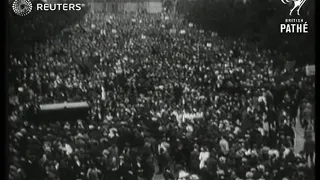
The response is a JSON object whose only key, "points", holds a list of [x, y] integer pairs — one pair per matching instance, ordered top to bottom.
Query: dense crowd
{"points": [[145, 76]]}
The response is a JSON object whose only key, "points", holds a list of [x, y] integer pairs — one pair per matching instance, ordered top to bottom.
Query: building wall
{"points": [[119, 7], [154, 7]]}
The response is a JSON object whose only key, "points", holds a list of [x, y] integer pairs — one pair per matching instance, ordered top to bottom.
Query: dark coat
{"points": [[288, 131], [309, 146], [194, 161], [212, 166], [77, 169], [148, 169], [137, 170], [124, 171]]}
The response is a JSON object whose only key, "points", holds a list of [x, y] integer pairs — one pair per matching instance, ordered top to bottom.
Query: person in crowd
{"points": [[148, 86], [224, 146], [309, 148], [194, 160], [93, 173], [167, 174]]}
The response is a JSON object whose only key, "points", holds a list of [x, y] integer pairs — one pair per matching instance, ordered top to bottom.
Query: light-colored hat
{"points": [[23, 130], [19, 134], [105, 152], [247, 153], [254, 153], [276, 153], [222, 159], [12, 167], [261, 167], [220, 172], [183, 174], [249, 175], [194, 177]]}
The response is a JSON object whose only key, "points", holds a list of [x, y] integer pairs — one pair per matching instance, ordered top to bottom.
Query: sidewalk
{"points": [[299, 136], [299, 139]]}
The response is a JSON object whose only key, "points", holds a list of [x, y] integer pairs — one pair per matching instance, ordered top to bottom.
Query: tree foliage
{"points": [[258, 21], [38, 26]]}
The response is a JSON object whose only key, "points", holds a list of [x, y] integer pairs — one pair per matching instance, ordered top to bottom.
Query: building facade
{"points": [[122, 6]]}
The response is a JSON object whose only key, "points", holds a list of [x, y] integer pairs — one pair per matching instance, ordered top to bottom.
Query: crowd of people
{"points": [[165, 97]]}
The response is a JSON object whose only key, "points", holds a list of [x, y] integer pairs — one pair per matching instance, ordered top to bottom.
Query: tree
{"points": [[257, 21], [38, 26]]}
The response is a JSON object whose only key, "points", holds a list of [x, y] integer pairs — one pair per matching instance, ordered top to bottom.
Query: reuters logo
{"points": [[22, 7]]}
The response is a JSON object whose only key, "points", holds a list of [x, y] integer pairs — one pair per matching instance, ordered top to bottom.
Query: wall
{"points": [[119, 7], [154, 7]]}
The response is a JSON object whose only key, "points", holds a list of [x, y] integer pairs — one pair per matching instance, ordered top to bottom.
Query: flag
{"points": [[310, 70]]}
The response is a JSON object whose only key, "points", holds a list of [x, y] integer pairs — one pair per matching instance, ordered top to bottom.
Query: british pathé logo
{"points": [[297, 4], [294, 25]]}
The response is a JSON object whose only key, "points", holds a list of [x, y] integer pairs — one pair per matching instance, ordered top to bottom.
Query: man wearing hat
{"points": [[309, 149], [194, 159], [76, 166], [212, 166], [137, 168], [243, 168], [148, 169], [125, 170], [93, 172], [167, 174], [249, 175]]}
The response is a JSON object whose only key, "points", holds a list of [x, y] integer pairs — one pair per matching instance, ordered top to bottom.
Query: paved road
{"points": [[299, 140]]}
